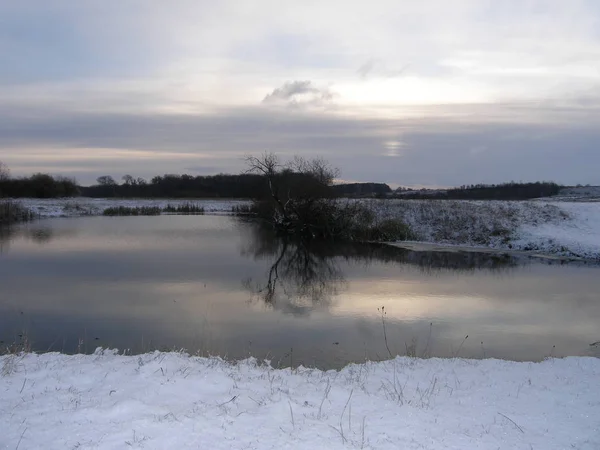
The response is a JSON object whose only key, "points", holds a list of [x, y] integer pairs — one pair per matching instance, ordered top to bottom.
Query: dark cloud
{"points": [[375, 66], [366, 68], [299, 93]]}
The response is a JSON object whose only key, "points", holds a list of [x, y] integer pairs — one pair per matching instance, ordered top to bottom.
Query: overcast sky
{"points": [[410, 93]]}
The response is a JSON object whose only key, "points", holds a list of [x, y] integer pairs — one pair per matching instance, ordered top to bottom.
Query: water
{"points": [[220, 285]]}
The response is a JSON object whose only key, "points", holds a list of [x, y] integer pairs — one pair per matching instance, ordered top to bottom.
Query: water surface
{"points": [[220, 285]]}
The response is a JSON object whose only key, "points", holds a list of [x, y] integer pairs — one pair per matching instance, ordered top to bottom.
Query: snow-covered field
{"points": [[580, 193], [82, 206], [569, 229], [578, 236], [173, 401]]}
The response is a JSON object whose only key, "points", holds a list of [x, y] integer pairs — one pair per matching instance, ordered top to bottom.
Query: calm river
{"points": [[223, 286]]}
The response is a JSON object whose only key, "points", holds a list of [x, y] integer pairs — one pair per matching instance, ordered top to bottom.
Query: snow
{"points": [[579, 193], [83, 206], [569, 229], [579, 235], [171, 400]]}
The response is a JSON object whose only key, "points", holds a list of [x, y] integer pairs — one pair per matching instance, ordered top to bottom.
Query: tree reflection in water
{"points": [[39, 235], [303, 275]]}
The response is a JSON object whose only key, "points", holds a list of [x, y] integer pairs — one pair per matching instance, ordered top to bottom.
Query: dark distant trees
{"points": [[4, 172], [4, 176], [106, 180], [128, 180], [38, 185], [179, 186], [362, 189], [504, 191]]}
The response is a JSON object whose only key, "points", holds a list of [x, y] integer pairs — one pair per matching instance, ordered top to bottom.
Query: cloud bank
{"points": [[467, 91]]}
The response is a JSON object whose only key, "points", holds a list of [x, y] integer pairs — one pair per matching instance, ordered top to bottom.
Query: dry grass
{"points": [[14, 212], [481, 223]]}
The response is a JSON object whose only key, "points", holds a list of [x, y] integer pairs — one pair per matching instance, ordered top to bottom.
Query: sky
{"points": [[428, 93]]}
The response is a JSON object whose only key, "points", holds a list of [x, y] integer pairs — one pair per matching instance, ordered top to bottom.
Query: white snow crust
{"points": [[174, 401]]}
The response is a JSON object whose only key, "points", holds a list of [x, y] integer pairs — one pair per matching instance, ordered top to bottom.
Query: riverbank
{"points": [[83, 206], [555, 228], [563, 229], [170, 400]]}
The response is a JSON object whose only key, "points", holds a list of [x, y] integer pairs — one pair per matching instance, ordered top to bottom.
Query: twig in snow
{"points": [[23, 387], [325, 395], [229, 401], [258, 403], [292, 414], [342, 416], [350, 417], [513, 422], [362, 434], [21, 438]]}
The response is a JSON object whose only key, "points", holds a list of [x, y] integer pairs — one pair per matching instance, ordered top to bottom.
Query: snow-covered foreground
{"points": [[82, 206], [557, 228], [173, 401]]}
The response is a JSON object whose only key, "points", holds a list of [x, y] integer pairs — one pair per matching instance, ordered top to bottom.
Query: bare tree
{"points": [[269, 166], [319, 169], [4, 172], [106, 180], [128, 180], [300, 195], [301, 202]]}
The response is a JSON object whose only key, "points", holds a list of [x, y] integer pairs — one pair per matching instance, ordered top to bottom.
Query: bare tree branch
{"points": [[4, 172]]}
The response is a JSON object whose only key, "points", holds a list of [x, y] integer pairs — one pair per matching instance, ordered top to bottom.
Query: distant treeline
{"points": [[39, 185], [166, 186], [180, 186], [211, 186], [246, 186], [361, 189], [505, 191]]}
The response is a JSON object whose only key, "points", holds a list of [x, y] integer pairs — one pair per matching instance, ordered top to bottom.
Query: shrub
{"points": [[186, 208], [243, 210], [132, 211], [12, 212], [390, 230]]}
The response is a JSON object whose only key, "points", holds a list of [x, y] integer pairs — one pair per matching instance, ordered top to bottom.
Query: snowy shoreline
{"points": [[85, 206], [550, 228], [556, 228], [172, 400]]}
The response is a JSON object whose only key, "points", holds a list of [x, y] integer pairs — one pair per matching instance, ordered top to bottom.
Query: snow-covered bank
{"points": [[579, 193], [83, 206], [556, 228], [560, 228], [579, 235], [170, 400]]}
